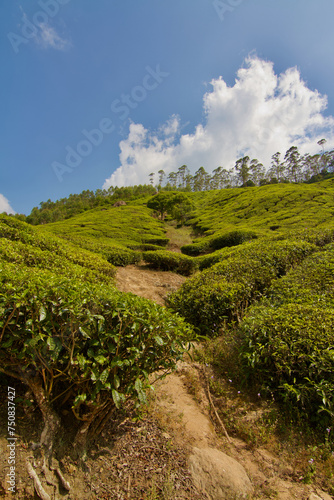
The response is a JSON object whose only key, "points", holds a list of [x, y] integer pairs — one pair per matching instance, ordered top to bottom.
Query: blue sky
{"points": [[102, 93]]}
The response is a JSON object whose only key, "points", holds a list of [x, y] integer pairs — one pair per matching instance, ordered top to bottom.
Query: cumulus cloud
{"points": [[262, 113], [5, 206]]}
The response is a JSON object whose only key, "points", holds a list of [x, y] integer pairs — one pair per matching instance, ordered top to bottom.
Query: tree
{"points": [[292, 161], [242, 168], [277, 168], [256, 172], [182, 173], [151, 176], [161, 177], [172, 178], [200, 179], [178, 205]]}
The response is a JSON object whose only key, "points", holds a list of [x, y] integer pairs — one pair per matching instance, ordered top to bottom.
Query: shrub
{"points": [[319, 237], [232, 239], [161, 242], [22, 244], [145, 247], [196, 248], [123, 256], [170, 261], [205, 261], [312, 282], [223, 292], [82, 345], [290, 350]]}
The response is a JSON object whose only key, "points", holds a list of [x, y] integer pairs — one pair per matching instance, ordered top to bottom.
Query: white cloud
{"points": [[45, 35], [48, 37], [262, 113], [5, 206]]}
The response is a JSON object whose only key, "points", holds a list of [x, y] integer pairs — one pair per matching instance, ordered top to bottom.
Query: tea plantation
{"points": [[261, 276]]}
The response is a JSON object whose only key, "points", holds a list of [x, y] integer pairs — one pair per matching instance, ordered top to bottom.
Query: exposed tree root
{"points": [[50, 418], [37, 483]]}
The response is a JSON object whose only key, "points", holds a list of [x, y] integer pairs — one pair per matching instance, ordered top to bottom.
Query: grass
{"points": [[178, 236]]}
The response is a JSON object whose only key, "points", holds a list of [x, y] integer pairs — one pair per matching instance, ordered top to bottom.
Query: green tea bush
{"points": [[319, 237], [232, 239], [161, 242], [22, 244], [145, 247], [194, 249], [123, 256], [170, 261], [205, 261], [312, 282], [224, 291], [83, 345], [290, 350]]}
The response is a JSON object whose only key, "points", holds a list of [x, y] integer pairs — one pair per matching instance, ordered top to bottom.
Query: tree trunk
{"points": [[50, 417]]}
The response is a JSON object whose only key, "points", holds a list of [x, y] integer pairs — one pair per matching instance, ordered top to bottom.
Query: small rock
{"points": [[218, 475], [313, 496]]}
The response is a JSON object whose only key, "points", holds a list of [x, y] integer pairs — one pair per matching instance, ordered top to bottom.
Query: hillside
{"points": [[266, 210], [258, 302]]}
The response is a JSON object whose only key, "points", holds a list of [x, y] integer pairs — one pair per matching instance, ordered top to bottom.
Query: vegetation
{"points": [[65, 208], [119, 234], [170, 261], [261, 269], [222, 293], [75, 341]]}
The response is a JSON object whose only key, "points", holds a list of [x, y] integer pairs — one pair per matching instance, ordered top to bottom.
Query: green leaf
{"points": [[42, 313], [84, 333], [100, 359], [104, 375], [117, 382], [138, 385], [81, 398], [116, 398]]}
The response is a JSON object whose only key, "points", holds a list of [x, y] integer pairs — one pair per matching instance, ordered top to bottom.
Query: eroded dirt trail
{"points": [[148, 283], [189, 419]]}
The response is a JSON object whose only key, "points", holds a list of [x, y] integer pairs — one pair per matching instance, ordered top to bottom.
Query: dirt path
{"points": [[148, 283], [187, 417]]}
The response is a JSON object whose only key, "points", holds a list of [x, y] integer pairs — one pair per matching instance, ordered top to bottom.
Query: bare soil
{"points": [[148, 283]]}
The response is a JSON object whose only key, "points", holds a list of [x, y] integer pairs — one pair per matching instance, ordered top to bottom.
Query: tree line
{"points": [[293, 167]]}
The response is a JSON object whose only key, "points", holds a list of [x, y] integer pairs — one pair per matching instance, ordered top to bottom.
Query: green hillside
{"points": [[276, 208], [112, 232], [259, 291]]}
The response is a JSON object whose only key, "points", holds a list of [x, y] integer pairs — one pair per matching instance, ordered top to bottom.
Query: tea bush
{"points": [[231, 239], [161, 242], [22, 244], [196, 248], [123, 256], [170, 261], [312, 282], [224, 291], [81, 344], [290, 350]]}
